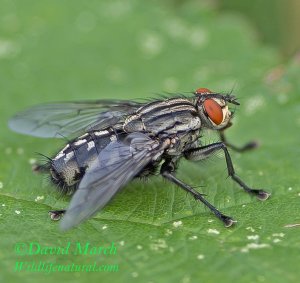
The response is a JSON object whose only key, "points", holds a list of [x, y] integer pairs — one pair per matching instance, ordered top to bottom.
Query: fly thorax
{"points": [[169, 116]]}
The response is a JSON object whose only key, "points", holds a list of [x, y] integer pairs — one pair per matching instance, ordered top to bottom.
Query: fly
{"points": [[114, 141]]}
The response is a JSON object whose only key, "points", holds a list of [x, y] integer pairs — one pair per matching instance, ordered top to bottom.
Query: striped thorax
{"points": [[170, 116]]}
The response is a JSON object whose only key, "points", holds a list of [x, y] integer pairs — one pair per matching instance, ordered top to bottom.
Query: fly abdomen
{"points": [[69, 165]]}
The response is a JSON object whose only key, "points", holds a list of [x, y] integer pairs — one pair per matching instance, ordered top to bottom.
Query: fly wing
{"points": [[67, 119], [115, 166]]}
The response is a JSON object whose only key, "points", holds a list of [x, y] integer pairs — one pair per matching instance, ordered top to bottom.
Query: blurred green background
{"points": [[276, 21], [55, 50]]}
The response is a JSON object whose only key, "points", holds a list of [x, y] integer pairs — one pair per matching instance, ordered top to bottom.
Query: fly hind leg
{"points": [[43, 166], [40, 168], [56, 214]]}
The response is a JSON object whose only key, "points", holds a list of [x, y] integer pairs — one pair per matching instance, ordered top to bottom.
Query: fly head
{"points": [[213, 108]]}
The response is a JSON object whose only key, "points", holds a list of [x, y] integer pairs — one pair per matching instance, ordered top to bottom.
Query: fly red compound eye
{"points": [[202, 90], [214, 111]]}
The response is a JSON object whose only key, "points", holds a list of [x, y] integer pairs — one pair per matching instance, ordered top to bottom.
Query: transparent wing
{"points": [[67, 119], [115, 166]]}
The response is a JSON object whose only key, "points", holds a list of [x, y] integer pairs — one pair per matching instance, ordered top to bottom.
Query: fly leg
{"points": [[247, 146], [208, 150], [40, 168], [166, 172], [56, 214]]}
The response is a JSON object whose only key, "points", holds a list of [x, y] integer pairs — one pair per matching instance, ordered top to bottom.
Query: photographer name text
{"points": [[76, 248]]}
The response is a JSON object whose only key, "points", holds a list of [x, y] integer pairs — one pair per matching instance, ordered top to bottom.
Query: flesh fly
{"points": [[114, 141]]}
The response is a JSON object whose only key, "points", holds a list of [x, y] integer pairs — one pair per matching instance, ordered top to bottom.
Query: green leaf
{"points": [[55, 50]]}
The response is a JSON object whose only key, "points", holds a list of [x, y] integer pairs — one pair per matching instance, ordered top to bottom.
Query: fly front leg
{"points": [[247, 146], [208, 150], [166, 171]]}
